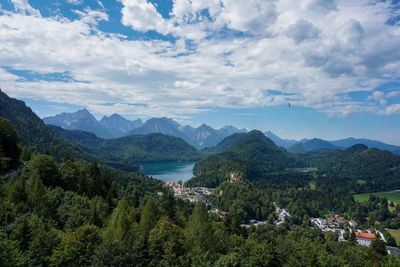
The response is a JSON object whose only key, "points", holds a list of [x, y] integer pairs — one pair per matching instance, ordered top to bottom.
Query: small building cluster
{"points": [[235, 177], [195, 194], [220, 213], [282, 216], [254, 223], [333, 223], [337, 224]]}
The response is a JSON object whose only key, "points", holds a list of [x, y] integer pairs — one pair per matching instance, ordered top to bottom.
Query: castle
{"points": [[235, 177]]}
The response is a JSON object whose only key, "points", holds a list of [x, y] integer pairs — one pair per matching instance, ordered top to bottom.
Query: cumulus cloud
{"points": [[143, 16], [254, 16], [302, 30], [315, 52], [379, 97]]}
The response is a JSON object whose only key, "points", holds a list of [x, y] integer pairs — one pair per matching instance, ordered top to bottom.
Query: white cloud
{"points": [[74, 2], [23, 6], [143, 16], [254, 16], [92, 17], [302, 30], [314, 52], [393, 94], [392, 109]]}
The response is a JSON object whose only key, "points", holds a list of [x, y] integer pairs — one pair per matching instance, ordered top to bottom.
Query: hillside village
{"points": [[334, 223]]}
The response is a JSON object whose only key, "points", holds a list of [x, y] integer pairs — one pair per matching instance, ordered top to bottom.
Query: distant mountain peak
{"points": [[83, 112], [286, 143], [357, 148]]}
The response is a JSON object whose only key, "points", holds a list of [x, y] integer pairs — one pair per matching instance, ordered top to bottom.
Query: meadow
{"points": [[389, 195]]}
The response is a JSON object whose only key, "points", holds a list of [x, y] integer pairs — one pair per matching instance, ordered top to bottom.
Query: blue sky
{"points": [[216, 61]]}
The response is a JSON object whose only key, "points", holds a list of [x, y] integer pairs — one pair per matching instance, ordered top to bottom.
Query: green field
{"points": [[389, 195], [395, 234]]}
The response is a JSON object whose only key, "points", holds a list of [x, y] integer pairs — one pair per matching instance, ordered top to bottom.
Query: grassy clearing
{"points": [[361, 182], [390, 196], [396, 235]]}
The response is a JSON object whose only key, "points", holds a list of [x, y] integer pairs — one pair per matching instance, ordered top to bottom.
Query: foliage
{"points": [[33, 133], [9, 150], [76, 248]]}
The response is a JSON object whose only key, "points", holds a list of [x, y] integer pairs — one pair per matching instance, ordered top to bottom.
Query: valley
{"points": [[125, 195]]}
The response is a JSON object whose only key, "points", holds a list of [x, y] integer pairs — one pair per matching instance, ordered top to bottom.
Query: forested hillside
{"points": [[33, 133], [126, 152], [252, 154], [368, 169]]}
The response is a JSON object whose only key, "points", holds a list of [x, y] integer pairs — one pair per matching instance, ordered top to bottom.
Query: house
{"points": [[235, 177], [282, 216], [320, 223], [353, 223], [365, 239], [393, 251]]}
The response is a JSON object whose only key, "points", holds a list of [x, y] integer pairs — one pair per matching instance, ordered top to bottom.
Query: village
{"points": [[333, 223]]}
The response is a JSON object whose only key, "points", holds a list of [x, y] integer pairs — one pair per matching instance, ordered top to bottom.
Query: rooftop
{"points": [[365, 235]]}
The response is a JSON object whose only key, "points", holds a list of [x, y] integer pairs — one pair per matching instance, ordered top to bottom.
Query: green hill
{"points": [[33, 133], [313, 145], [125, 152], [252, 154], [368, 169]]}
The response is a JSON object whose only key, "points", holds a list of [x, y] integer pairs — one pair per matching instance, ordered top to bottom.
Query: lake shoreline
{"points": [[168, 170]]}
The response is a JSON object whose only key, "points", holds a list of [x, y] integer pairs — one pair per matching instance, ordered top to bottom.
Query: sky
{"points": [[337, 62]]}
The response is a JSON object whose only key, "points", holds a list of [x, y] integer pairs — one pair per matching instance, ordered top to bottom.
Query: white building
{"points": [[365, 239]]}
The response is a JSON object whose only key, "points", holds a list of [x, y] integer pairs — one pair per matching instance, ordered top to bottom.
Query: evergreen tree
{"points": [[9, 150], [149, 216], [199, 232], [166, 244], [77, 248]]}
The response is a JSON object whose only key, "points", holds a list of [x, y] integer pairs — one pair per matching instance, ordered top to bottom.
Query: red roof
{"points": [[365, 235]]}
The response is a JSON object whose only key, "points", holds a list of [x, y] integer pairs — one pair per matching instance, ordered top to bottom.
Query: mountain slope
{"points": [[80, 120], [118, 125], [163, 125], [113, 126], [33, 132], [204, 136], [201, 137], [348, 142], [286, 143], [312, 145], [125, 152], [252, 154], [377, 169]]}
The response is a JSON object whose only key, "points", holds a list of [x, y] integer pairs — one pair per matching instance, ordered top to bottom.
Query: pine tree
{"points": [[149, 217]]}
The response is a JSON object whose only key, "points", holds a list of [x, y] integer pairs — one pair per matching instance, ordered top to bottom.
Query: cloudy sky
{"points": [[337, 62]]}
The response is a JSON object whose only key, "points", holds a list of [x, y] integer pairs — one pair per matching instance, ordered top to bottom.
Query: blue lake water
{"points": [[169, 171]]}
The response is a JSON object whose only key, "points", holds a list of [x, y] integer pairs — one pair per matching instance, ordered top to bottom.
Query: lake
{"points": [[169, 170]]}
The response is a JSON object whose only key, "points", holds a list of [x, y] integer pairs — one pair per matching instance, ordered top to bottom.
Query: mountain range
{"points": [[113, 126], [116, 126], [204, 136], [317, 145]]}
